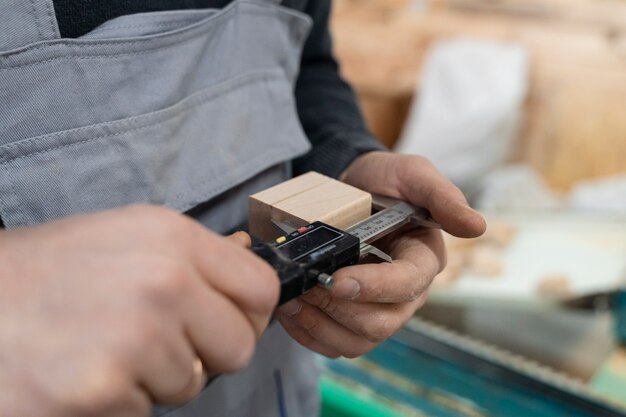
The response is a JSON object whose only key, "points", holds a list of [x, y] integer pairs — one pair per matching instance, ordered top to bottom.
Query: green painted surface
{"points": [[610, 379], [396, 380], [610, 384], [342, 400]]}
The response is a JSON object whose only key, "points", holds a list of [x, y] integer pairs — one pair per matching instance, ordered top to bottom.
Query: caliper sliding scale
{"points": [[307, 256]]}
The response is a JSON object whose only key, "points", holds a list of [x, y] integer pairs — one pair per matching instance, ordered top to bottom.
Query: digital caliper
{"points": [[309, 255]]}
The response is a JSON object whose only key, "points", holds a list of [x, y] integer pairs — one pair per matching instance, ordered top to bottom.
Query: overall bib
{"points": [[193, 110]]}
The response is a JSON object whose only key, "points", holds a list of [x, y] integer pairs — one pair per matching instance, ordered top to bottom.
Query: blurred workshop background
{"points": [[522, 103]]}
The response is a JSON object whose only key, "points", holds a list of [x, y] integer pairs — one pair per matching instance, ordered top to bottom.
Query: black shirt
{"points": [[326, 104]]}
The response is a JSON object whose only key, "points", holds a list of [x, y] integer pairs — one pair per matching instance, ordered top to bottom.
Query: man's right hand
{"points": [[104, 313]]}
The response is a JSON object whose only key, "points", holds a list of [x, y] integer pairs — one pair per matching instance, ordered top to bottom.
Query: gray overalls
{"points": [[190, 109]]}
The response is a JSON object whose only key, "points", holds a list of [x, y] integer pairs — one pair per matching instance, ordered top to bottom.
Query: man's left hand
{"points": [[370, 302]]}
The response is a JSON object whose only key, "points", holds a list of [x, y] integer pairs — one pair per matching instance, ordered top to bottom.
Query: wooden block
{"points": [[305, 199]]}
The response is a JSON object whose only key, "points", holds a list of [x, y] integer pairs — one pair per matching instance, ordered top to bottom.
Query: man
{"points": [[108, 306]]}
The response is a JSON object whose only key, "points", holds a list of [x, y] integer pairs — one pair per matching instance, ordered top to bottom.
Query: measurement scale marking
{"points": [[382, 223]]}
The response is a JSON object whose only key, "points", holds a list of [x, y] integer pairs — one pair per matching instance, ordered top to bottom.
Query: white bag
{"points": [[467, 108]]}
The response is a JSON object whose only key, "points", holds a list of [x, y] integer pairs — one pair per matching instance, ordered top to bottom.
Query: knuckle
{"points": [[415, 276], [420, 281], [165, 282], [420, 287], [376, 291], [413, 295], [421, 300], [324, 301], [331, 307], [308, 322], [380, 330], [140, 335], [143, 337], [357, 351], [350, 354], [332, 355], [241, 356], [100, 391]]}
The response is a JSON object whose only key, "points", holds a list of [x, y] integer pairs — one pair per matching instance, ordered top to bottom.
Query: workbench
{"points": [[492, 346], [427, 370]]}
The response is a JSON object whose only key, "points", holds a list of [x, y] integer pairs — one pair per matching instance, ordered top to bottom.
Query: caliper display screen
{"points": [[308, 242]]}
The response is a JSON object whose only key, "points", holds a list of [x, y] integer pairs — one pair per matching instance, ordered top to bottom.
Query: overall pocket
{"points": [[148, 24], [69, 83], [174, 110], [179, 157]]}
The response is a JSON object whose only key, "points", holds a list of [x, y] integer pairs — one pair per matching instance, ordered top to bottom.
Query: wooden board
{"points": [[305, 199], [587, 251]]}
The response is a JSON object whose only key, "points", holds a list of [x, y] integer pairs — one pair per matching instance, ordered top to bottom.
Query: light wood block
{"points": [[305, 199]]}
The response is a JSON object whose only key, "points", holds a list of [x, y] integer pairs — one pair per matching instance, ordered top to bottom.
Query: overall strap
{"points": [[26, 21]]}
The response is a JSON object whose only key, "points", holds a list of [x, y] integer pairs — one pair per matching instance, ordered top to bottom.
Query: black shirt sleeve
{"points": [[327, 105]]}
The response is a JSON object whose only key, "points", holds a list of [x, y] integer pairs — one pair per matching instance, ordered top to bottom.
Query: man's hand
{"points": [[370, 302], [102, 314]]}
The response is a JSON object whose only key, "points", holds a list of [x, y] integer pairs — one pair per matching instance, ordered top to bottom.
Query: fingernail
{"points": [[347, 289], [291, 308]]}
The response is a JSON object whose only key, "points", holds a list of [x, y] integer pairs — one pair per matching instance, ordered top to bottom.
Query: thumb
{"points": [[416, 180], [240, 238]]}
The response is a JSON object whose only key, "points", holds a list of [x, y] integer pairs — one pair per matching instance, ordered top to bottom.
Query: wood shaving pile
{"points": [[479, 257], [554, 285]]}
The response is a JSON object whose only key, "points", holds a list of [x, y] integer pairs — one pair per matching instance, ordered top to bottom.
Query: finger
{"points": [[415, 179], [421, 184], [241, 238], [419, 256], [245, 279], [374, 322], [329, 332], [304, 338], [225, 343], [166, 368], [195, 384], [105, 393], [138, 403]]}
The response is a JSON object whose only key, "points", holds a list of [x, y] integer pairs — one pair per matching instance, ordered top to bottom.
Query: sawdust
{"points": [[479, 258], [554, 285]]}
